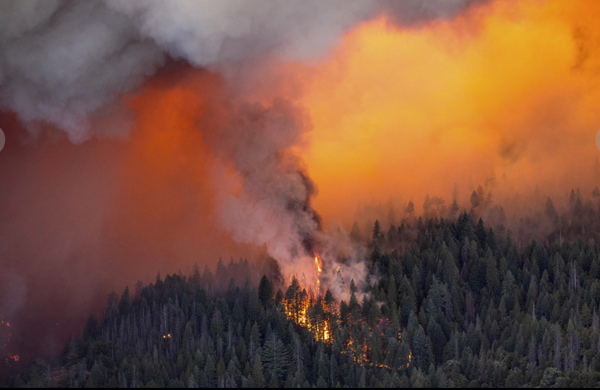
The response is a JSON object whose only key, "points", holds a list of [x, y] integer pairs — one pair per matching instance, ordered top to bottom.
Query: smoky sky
{"points": [[64, 61], [65, 64], [97, 192]]}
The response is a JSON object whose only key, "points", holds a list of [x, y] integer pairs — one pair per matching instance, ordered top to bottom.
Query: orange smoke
{"points": [[508, 91], [506, 96], [166, 200], [105, 213]]}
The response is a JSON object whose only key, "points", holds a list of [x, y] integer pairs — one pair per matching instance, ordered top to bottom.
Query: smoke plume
{"points": [[147, 135]]}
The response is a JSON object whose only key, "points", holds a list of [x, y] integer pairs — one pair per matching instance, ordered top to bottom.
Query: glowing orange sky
{"points": [[504, 89], [510, 90]]}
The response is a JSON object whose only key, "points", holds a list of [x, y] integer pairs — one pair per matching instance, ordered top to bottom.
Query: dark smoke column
{"points": [[273, 206]]}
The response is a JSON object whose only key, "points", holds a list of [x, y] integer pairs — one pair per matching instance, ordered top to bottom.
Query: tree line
{"points": [[462, 306]]}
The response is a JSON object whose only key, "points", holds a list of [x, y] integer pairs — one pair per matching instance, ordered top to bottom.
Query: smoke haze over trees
{"points": [[460, 307]]}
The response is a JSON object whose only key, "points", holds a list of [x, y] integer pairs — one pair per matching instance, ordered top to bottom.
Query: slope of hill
{"points": [[459, 308]]}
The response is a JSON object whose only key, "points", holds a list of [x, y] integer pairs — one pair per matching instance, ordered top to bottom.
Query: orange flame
{"points": [[318, 264], [319, 269], [299, 309], [7, 333]]}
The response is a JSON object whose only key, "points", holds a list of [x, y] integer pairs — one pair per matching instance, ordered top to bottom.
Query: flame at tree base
{"points": [[308, 310], [314, 313], [320, 313]]}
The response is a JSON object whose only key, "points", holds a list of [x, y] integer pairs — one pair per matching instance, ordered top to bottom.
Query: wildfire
{"points": [[318, 264], [319, 269], [308, 309], [311, 313], [318, 314], [5, 330], [6, 334], [359, 355], [13, 358]]}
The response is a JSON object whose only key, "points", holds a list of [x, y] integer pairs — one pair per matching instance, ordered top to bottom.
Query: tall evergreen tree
{"points": [[265, 291]]}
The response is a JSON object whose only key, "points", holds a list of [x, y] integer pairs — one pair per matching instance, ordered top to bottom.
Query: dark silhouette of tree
{"points": [[475, 200], [410, 209], [549, 210], [377, 231], [265, 291], [293, 297]]}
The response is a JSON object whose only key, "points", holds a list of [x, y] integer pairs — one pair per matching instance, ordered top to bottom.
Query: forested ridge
{"points": [[460, 306]]}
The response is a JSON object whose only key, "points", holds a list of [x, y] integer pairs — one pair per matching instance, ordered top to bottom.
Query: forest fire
{"points": [[286, 139], [318, 265], [310, 309], [320, 314], [5, 331], [6, 334], [362, 354], [12, 358]]}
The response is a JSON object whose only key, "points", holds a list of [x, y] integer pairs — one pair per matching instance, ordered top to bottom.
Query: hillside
{"points": [[459, 308]]}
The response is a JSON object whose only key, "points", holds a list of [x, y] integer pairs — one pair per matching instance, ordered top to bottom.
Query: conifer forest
{"points": [[447, 304]]}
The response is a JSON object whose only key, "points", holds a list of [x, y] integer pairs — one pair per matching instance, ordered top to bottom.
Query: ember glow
{"points": [[5, 331], [6, 336]]}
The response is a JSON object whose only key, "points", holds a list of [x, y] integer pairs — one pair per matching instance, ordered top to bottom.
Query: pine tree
{"points": [[475, 200], [410, 209], [454, 209], [550, 210], [376, 231], [265, 291], [392, 291], [294, 299], [375, 346], [419, 348], [298, 354], [275, 356], [210, 370], [258, 376]]}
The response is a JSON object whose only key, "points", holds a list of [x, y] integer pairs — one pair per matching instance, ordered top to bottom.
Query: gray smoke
{"points": [[62, 61], [65, 62], [273, 207]]}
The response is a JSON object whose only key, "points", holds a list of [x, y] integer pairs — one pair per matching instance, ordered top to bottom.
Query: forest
{"points": [[448, 303]]}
